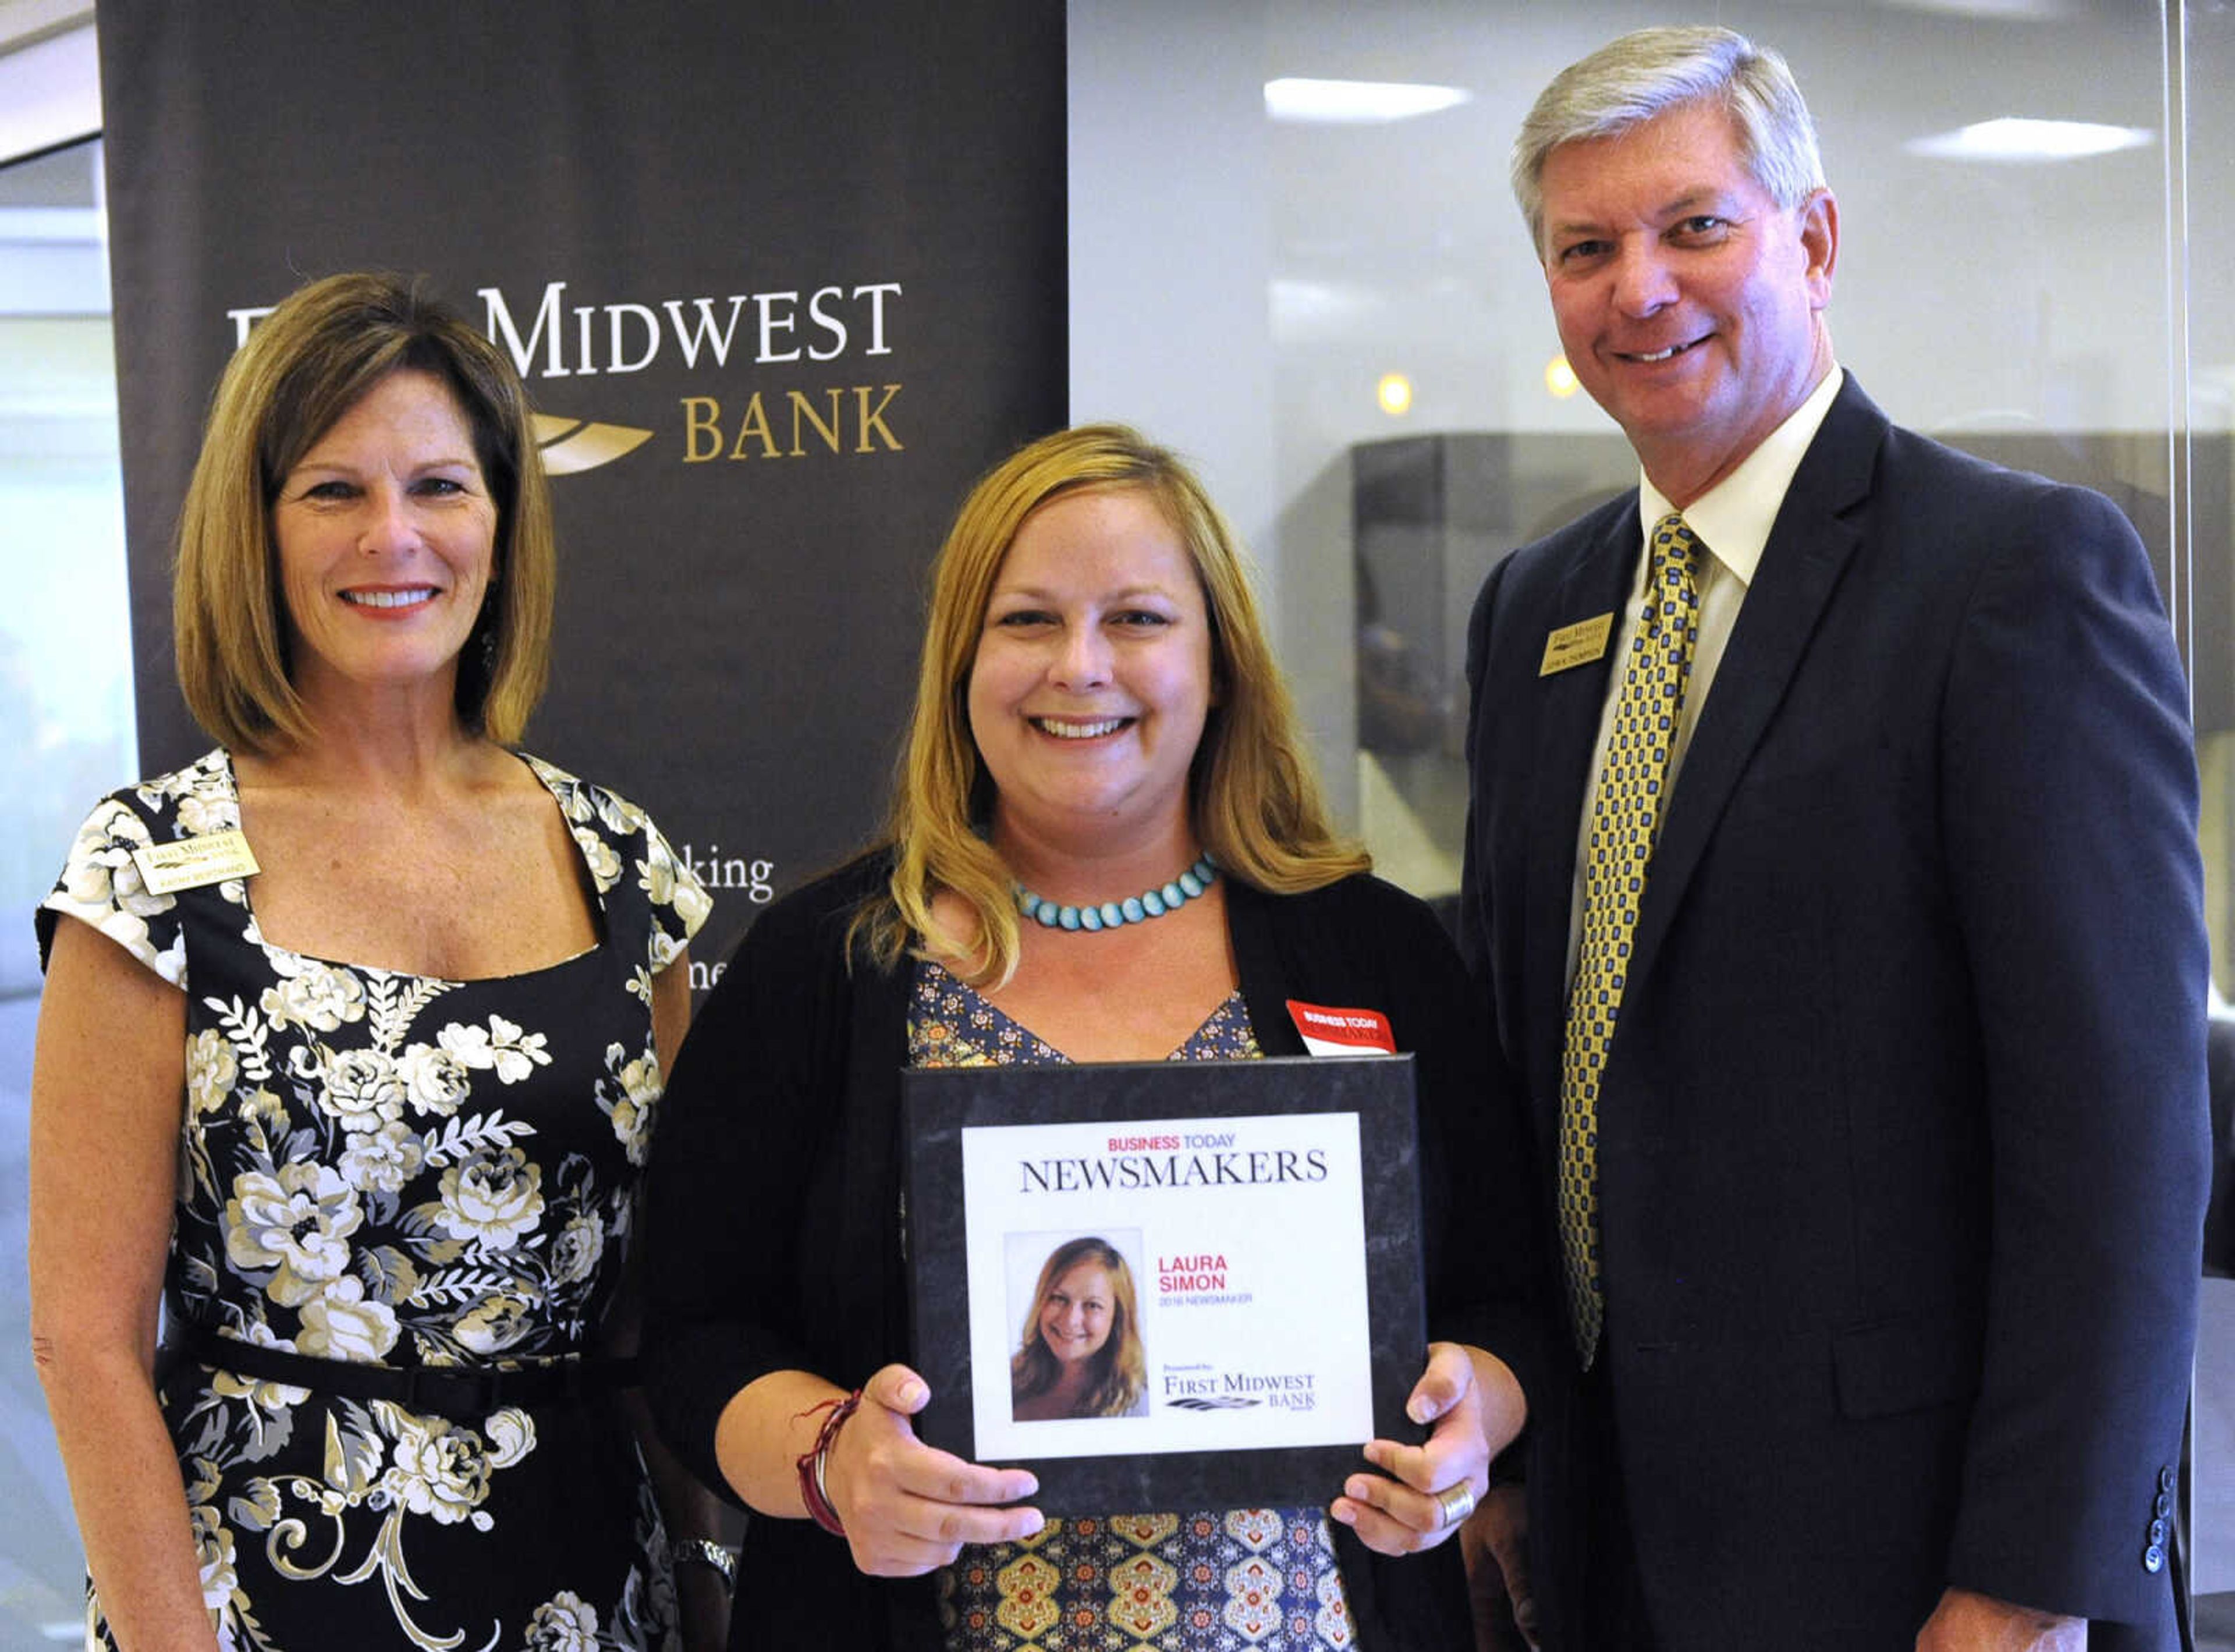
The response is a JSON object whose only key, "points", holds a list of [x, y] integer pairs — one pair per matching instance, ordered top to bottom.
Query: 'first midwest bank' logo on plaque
{"points": [[847, 414]]}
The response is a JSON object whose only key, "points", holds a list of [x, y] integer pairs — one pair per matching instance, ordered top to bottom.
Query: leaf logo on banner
{"points": [[569, 445]]}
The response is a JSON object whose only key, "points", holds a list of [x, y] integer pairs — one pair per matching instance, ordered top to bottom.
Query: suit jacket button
{"points": [[2166, 1480], [2164, 1504], [2157, 1533], [2154, 1559]]}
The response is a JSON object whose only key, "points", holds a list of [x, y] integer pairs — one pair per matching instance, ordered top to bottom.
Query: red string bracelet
{"points": [[810, 1465]]}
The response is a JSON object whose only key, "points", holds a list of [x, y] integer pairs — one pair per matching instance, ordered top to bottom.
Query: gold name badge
{"points": [[1576, 645], [192, 862]]}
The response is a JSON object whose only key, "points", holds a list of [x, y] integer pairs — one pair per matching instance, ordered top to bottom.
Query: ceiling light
{"points": [[2021, 10], [1357, 102], [2011, 138]]}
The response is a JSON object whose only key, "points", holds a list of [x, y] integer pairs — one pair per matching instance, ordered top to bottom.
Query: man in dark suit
{"points": [[1832, 864]]}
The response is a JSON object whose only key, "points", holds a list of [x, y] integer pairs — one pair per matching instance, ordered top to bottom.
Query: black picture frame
{"points": [[939, 1103]]}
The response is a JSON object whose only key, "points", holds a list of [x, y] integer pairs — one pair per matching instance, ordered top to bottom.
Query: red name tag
{"points": [[1336, 1032]]}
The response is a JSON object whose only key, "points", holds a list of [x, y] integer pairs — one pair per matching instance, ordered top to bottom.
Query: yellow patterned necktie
{"points": [[1625, 824]]}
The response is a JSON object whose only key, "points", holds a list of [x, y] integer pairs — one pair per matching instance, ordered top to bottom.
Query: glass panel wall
{"points": [[2201, 82], [2017, 305], [65, 657], [66, 736]]}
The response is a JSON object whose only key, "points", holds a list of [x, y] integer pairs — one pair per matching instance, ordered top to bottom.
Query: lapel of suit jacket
{"points": [[1809, 547], [1597, 581]]}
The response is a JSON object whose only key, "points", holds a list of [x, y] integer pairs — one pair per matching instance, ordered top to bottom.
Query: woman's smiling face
{"points": [[386, 535], [1092, 679], [1076, 1312]]}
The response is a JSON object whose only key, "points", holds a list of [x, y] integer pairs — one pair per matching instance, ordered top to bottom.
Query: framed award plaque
{"points": [[1168, 1284]]}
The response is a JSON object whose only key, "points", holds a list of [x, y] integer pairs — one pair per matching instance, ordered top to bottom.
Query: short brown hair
{"points": [[302, 368], [1253, 791]]}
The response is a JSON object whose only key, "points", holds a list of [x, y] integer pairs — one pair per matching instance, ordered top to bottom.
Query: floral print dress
{"points": [[384, 1167], [1201, 1580]]}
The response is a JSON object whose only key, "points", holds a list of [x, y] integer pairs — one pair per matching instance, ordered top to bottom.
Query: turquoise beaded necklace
{"points": [[1115, 915]]}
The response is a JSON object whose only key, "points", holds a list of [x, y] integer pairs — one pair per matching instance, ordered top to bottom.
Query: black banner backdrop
{"points": [[783, 278]]}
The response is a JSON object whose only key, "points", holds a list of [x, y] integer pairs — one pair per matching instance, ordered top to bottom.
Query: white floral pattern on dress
{"points": [[391, 1168]]}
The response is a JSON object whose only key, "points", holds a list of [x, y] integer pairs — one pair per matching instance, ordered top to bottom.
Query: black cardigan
{"points": [[772, 1211]]}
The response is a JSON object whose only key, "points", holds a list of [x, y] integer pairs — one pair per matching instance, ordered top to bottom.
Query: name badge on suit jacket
{"points": [[1576, 645]]}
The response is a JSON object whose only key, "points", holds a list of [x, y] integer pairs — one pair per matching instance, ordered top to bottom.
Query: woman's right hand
{"points": [[907, 1507]]}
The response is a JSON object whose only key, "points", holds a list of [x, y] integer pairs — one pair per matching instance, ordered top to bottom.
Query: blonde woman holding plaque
{"points": [[1106, 845]]}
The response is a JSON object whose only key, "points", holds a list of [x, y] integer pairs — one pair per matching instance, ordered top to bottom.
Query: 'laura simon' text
{"points": [[1190, 1274]]}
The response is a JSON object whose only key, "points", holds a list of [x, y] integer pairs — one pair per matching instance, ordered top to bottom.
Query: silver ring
{"points": [[1456, 1502]]}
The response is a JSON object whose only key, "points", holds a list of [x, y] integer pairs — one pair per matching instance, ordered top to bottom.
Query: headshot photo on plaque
{"points": [[1081, 1353]]}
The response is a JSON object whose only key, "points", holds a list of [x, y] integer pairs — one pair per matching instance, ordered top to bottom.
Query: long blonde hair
{"points": [[1253, 791], [1121, 1366]]}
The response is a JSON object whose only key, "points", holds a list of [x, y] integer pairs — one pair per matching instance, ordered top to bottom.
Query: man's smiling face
{"points": [[1690, 305]]}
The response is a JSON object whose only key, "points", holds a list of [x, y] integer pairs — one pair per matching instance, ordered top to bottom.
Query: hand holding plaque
{"points": [[1424, 1492], [907, 1507]]}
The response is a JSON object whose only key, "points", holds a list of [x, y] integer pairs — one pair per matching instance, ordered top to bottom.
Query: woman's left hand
{"points": [[1425, 1491]]}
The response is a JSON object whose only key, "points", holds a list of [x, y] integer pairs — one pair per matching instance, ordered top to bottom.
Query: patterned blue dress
{"points": [[391, 1168], [1220, 1580]]}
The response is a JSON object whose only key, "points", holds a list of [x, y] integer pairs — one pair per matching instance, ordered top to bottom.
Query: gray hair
{"points": [[1651, 72]]}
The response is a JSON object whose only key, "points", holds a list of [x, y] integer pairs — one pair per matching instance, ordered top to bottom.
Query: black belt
{"points": [[462, 1393]]}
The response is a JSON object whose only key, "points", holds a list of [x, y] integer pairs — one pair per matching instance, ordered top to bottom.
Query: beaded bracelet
{"points": [[812, 1491]]}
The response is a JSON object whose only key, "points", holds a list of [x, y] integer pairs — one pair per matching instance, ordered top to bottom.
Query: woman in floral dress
{"points": [[1097, 711], [350, 1056]]}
